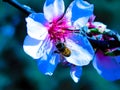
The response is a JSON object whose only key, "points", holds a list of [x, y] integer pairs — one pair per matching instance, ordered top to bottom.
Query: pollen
{"points": [[57, 29]]}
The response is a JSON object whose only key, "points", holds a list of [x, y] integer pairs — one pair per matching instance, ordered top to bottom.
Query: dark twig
{"points": [[24, 8], [95, 43], [104, 44]]}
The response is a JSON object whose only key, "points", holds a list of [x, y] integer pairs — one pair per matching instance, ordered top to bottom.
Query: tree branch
{"points": [[24, 8], [95, 43]]}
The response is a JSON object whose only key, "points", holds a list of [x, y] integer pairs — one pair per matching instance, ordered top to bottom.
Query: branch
{"points": [[24, 8], [95, 43], [104, 44]]}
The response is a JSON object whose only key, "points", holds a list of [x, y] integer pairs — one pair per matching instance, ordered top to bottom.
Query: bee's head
{"points": [[60, 46]]}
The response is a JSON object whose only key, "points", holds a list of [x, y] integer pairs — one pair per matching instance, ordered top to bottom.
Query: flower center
{"points": [[57, 30]]}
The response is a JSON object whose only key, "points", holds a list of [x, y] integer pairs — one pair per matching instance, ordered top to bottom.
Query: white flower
{"points": [[48, 29]]}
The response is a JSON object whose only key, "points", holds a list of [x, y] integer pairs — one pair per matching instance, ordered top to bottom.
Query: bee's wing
{"points": [[81, 51], [107, 66]]}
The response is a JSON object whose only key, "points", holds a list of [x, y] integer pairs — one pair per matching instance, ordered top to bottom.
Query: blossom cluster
{"points": [[58, 36]]}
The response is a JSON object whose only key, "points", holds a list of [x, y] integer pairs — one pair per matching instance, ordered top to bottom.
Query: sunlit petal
{"points": [[53, 9], [79, 11], [38, 17], [81, 22], [36, 29], [82, 41], [31, 47], [35, 48], [80, 54], [48, 62], [107, 66], [76, 72]]}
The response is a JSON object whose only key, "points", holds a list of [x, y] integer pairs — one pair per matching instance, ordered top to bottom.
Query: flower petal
{"points": [[53, 9], [79, 11], [38, 17], [81, 22], [35, 26], [31, 47], [36, 48], [43, 51], [81, 51], [48, 62], [107, 66], [76, 72]]}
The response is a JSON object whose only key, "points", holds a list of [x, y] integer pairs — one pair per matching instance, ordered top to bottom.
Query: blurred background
{"points": [[18, 71]]}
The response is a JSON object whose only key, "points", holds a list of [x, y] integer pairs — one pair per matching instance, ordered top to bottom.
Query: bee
{"points": [[62, 49]]}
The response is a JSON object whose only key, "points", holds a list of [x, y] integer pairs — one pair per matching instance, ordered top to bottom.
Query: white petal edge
{"points": [[82, 5], [53, 10], [80, 22], [35, 29], [32, 50], [79, 55], [47, 65], [76, 72], [49, 73], [74, 77]]}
